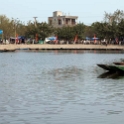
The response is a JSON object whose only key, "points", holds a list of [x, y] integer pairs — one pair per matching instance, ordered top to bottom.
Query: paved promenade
{"points": [[61, 47]]}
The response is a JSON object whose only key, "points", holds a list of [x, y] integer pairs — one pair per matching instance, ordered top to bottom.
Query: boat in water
{"points": [[7, 50], [118, 63], [104, 66], [114, 70]]}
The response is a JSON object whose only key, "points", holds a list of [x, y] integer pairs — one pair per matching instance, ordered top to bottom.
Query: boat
{"points": [[7, 50], [118, 63], [104, 66], [112, 67], [121, 67], [118, 68]]}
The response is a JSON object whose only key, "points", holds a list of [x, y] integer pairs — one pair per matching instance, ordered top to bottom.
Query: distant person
{"points": [[106, 42]]}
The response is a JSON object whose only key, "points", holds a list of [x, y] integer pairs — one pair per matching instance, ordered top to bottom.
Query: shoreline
{"points": [[10, 47]]}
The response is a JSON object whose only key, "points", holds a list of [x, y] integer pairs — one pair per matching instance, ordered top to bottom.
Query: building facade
{"points": [[60, 20]]}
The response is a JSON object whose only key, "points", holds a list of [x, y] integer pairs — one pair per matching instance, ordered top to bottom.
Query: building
{"points": [[60, 20]]}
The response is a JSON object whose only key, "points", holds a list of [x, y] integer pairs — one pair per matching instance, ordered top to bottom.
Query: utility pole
{"points": [[35, 21], [15, 26]]}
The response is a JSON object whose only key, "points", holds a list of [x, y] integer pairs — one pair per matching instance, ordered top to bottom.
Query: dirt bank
{"points": [[64, 46]]}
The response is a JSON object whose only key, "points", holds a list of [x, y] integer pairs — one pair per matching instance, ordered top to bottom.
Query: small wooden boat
{"points": [[7, 50], [104, 66], [120, 67], [112, 68], [116, 68]]}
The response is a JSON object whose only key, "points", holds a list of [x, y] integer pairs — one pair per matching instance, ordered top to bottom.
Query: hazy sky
{"points": [[88, 11]]}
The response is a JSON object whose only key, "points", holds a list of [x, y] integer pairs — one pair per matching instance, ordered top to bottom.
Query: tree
{"points": [[117, 16], [6, 26], [121, 28], [42, 29], [100, 29], [79, 30], [88, 32], [66, 33]]}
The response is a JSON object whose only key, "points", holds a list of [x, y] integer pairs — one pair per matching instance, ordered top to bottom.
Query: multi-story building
{"points": [[60, 20]]}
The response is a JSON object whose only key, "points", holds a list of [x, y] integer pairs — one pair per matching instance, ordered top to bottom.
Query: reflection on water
{"points": [[113, 75], [59, 87]]}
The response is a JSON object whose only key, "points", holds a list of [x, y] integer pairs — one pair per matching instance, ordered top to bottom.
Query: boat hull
{"points": [[103, 66], [112, 68]]}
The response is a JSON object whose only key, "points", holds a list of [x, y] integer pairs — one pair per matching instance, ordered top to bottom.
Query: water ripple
{"points": [[56, 88]]}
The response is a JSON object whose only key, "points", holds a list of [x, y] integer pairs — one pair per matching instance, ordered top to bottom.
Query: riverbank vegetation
{"points": [[110, 28]]}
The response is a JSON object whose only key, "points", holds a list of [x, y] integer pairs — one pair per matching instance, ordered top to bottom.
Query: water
{"points": [[59, 87]]}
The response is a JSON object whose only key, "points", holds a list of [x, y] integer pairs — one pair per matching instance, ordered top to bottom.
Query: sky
{"points": [[88, 11]]}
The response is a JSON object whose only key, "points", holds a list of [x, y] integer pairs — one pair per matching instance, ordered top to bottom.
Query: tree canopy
{"points": [[111, 27]]}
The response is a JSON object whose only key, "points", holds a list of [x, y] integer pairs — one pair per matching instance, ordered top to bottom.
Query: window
{"points": [[66, 21], [73, 21], [50, 22], [59, 22]]}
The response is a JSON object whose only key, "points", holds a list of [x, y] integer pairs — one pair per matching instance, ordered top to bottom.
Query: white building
{"points": [[60, 20]]}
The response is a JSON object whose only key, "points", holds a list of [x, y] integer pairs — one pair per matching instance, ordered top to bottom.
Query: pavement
{"points": [[60, 47]]}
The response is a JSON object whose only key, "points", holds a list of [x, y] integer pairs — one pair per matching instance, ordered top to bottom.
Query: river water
{"points": [[59, 87]]}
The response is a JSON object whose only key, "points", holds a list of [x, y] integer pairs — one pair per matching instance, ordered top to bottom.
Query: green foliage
{"points": [[117, 16], [10, 25], [6, 26], [111, 27], [121, 28], [42, 29], [79, 30], [88, 32], [68, 33]]}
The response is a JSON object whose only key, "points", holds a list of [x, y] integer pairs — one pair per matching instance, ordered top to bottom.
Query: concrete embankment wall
{"points": [[61, 47]]}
